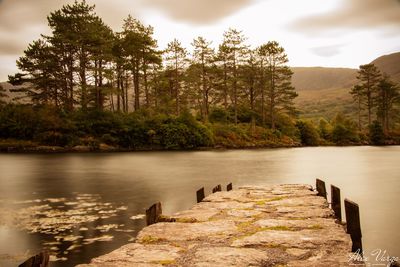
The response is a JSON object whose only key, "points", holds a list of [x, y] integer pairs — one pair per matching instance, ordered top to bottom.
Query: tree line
{"points": [[84, 65], [91, 86], [376, 93]]}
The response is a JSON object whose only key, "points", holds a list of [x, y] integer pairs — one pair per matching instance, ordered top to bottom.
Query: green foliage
{"points": [[82, 68], [219, 115], [17, 121], [287, 126], [325, 129], [344, 130], [183, 133], [308, 134], [376, 134], [247, 135], [342, 135]]}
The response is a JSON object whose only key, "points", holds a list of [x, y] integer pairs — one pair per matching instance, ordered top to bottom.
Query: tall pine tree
{"points": [[279, 91]]}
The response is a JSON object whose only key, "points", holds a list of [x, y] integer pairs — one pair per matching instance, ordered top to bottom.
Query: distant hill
{"points": [[389, 64], [319, 78], [323, 92], [13, 96]]}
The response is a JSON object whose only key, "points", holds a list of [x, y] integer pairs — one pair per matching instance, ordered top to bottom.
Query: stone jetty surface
{"points": [[277, 225]]}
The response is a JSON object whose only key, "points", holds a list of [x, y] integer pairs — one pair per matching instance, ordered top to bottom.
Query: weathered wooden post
{"points": [[229, 187], [218, 188], [214, 189], [321, 189], [200, 194], [335, 202], [153, 213], [353, 224], [39, 260]]}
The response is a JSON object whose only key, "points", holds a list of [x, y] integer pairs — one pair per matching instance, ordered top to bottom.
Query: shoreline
{"points": [[41, 149]]}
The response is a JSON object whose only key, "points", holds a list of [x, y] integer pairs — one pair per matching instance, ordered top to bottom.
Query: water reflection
{"points": [[130, 182]]}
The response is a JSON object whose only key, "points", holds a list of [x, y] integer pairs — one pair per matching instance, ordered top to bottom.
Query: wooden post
{"points": [[229, 187], [218, 188], [321, 189], [200, 194], [335, 202], [153, 213], [353, 224], [40, 260]]}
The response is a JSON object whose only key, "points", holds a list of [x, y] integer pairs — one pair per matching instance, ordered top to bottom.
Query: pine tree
{"points": [[102, 38], [140, 50], [236, 52], [203, 57], [176, 59], [223, 60], [41, 74], [250, 75], [369, 76], [279, 91], [357, 93], [387, 95]]}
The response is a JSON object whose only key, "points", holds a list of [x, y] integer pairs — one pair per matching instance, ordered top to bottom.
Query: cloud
{"points": [[198, 11], [353, 14], [22, 21], [326, 51]]}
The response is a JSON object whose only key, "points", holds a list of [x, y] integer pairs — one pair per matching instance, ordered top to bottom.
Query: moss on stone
{"points": [[185, 220], [316, 227], [278, 228], [148, 239], [164, 262]]}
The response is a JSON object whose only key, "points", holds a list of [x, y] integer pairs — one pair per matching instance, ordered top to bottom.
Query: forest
{"points": [[92, 88]]}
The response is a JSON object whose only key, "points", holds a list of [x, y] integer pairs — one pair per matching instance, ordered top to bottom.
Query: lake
{"points": [[79, 206]]}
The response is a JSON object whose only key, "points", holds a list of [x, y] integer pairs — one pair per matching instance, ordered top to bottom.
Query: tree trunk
{"points": [[135, 72], [82, 74], [225, 87], [177, 88], [235, 88], [146, 89], [204, 90], [262, 94], [359, 113]]}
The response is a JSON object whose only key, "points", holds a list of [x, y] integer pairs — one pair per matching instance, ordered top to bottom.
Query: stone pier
{"points": [[277, 225]]}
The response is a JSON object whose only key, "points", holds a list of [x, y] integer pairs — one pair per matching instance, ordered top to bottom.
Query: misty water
{"points": [[79, 206]]}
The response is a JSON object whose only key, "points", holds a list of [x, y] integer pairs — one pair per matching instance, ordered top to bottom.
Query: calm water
{"points": [[80, 206]]}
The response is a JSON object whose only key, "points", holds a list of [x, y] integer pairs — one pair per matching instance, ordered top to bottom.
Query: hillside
{"points": [[389, 64], [319, 78], [323, 92], [15, 97]]}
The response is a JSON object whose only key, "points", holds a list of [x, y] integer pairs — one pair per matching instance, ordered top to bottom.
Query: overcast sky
{"points": [[331, 33]]}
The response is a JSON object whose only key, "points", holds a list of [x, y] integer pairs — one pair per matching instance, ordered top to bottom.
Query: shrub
{"points": [[218, 115], [18, 121], [308, 134], [376, 134], [342, 135], [53, 138]]}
